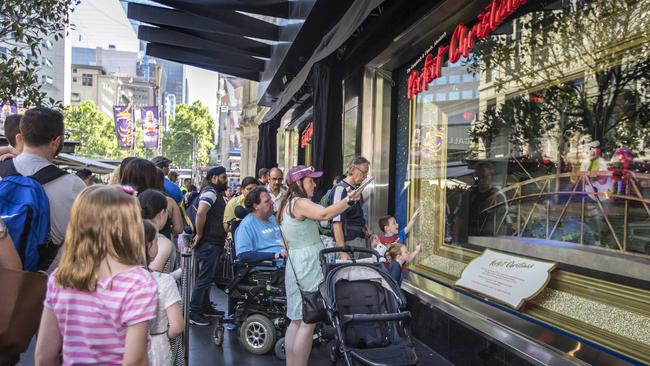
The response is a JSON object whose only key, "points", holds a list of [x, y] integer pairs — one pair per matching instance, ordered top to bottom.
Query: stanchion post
{"points": [[188, 271]]}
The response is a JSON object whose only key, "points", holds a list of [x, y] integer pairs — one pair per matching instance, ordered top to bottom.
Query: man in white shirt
{"points": [[275, 187]]}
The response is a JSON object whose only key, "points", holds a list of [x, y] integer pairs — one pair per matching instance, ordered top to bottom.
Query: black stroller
{"points": [[365, 306]]}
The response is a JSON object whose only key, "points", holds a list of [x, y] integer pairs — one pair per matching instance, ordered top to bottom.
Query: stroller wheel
{"points": [[257, 334], [217, 336], [279, 349]]}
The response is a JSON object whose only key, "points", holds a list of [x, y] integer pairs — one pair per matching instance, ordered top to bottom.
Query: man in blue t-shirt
{"points": [[171, 189], [258, 237]]}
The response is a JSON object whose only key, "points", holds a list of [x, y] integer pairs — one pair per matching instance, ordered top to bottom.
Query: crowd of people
{"points": [[112, 251]]}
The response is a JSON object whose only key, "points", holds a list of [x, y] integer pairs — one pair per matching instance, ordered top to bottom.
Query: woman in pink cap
{"points": [[298, 217]]}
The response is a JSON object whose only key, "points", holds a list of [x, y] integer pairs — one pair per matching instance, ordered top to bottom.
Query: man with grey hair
{"points": [[275, 188], [350, 227]]}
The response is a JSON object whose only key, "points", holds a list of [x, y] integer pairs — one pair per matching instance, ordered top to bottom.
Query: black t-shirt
{"points": [[477, 202], [353, 219], [213, 232]]}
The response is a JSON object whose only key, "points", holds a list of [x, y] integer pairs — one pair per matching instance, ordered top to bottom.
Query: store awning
{"points": [[233, 37], [335, 38], [69, 161]]}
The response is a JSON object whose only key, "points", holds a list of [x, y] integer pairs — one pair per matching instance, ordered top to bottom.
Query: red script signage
{"points": [[461, 43], [307, 135]]}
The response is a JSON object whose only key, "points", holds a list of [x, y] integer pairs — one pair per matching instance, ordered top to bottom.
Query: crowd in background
{"points": [[112, 251]]}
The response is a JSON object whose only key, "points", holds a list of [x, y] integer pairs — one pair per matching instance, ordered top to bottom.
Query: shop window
{"points": [[351, 117], [350, 133], [557, 155]]}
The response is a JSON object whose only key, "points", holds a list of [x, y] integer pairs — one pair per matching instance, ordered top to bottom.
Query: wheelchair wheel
{"points": [[257, 334], [217, 336], [279, 349]]}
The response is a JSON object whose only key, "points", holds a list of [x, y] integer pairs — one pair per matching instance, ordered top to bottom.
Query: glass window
{"points": [[87, 79], [441, 80], [350, 134], [559, 151]]}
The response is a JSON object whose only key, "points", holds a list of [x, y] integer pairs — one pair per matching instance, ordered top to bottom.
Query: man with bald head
{"points": [[275, 188]]}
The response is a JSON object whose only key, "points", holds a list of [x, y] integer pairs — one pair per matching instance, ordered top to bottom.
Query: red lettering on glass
{"points": [[462, 42], [307, 135]]}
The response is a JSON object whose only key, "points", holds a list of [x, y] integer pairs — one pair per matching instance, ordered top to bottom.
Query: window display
{"points": [[534, 142], [553, 146]]}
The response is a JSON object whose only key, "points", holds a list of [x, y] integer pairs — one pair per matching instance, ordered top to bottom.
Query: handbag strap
{"points": [[286, 243], [286, 247]]}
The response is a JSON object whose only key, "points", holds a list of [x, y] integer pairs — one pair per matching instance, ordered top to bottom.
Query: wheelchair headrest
{"points": [[240, 212]]}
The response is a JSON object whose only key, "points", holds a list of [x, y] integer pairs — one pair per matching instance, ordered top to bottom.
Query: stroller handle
{"points": [[347, 249], [403, 315]]}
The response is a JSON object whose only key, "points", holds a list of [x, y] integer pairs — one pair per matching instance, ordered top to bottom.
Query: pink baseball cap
{"points": [[300, 171]]}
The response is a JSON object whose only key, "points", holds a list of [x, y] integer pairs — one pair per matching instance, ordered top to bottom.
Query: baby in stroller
{"points": [[366, 308]]}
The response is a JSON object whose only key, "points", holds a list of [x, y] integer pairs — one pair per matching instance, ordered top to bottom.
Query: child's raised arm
{"points": [[408, 227], [411, 256]]}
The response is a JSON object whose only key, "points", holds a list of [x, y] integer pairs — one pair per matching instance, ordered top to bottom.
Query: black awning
{"points": [[227, 36]]}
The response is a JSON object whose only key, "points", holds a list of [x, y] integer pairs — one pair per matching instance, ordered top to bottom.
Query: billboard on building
{"points": [[124, 127], [150, 127]]}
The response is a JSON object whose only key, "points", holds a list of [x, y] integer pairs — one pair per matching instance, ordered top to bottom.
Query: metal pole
{"points": [[194, 162], [188, 270]]}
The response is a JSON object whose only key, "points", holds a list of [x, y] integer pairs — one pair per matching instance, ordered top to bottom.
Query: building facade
{"points": [[85, 80], [516, 128]]}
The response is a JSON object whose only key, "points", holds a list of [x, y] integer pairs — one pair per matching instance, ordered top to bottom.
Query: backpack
{"points": [[189, 206], [25, 209], [325, 226]]}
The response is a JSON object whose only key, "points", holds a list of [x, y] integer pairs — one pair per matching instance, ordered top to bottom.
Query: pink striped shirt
{"points": [[93, 324]]}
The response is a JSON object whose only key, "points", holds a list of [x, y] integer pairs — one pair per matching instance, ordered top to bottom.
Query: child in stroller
{"points": [[365, 306]]}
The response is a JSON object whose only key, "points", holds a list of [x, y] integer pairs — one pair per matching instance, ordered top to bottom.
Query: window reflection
{"points": [[542, 133]]}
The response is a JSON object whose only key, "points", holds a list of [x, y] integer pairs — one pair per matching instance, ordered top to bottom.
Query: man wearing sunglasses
{"points": [[350, 227]]}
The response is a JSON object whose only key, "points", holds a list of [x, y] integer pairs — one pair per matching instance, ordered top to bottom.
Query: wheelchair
{"points": [[256, 301]]}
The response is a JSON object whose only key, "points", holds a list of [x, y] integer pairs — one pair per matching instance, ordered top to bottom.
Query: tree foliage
{"points": [[25, 26], [191, 120], [96, 133]]}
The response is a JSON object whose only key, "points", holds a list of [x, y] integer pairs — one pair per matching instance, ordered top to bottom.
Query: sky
{"points": [[99, 23]]}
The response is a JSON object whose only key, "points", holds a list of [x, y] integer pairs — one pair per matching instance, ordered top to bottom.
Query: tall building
{"points": [[54, 71], [228, 138]]}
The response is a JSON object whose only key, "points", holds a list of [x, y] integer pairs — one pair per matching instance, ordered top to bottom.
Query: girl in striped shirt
{"points": [[100, 299]]}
